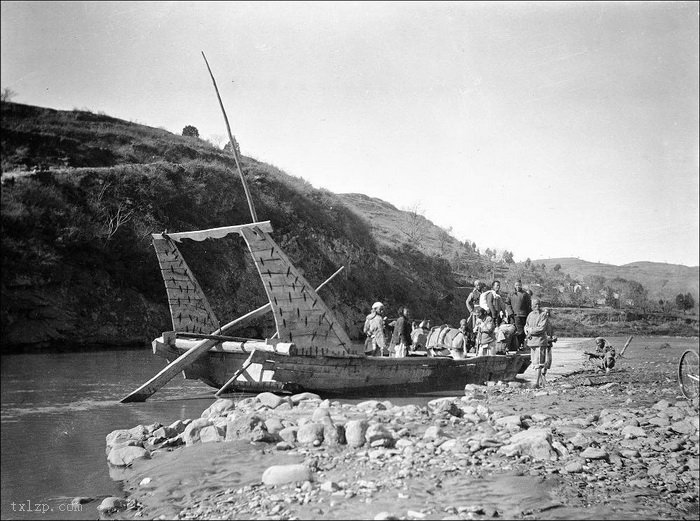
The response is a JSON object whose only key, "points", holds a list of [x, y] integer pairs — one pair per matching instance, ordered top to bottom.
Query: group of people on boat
{"points": [[496, 324]]}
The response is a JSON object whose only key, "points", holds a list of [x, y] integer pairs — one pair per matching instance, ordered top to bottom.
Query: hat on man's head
{"points": [[377, 305], [424, 324], [599, 340]]}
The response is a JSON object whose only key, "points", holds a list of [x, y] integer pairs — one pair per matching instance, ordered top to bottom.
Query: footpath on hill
{"points": [[588, 446]]}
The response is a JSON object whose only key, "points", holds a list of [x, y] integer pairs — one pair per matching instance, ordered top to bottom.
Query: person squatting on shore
{"points": [[521, 305], [374, 328], [538, 331], [485, 336], [401, 338], [606, 353]]}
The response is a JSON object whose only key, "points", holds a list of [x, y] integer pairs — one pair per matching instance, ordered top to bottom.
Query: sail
{"points": [[189, 308], [301, 316]]}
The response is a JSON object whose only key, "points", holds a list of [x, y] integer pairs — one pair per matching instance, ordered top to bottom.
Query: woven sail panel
{"points": [[189, 308], [300, 314]]}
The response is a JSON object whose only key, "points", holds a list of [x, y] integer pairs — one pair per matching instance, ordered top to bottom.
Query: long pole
{"points": [[233, 145]]}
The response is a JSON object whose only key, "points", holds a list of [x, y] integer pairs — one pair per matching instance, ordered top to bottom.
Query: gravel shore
{"points": [[588, 446]]}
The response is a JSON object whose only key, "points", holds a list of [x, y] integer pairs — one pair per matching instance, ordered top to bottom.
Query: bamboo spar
{"points": [[233, 144], [625, 347], [186, 359]]}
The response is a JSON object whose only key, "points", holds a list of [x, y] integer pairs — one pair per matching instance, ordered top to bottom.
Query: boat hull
{"points": [[347, 375]]}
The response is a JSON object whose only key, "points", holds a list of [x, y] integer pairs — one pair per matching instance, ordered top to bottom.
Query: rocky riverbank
{"points": [[590, 445]]}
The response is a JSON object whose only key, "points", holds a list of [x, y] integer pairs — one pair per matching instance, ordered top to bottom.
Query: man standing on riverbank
{"points": [[521, 305], [538, 329]]}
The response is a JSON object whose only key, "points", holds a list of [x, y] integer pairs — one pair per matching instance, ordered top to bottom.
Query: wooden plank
{"points": [[625, 347], [185, 360], [243, 367]]}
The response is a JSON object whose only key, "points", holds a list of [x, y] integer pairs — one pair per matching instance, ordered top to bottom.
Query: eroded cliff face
{"points": [[86, 312]]}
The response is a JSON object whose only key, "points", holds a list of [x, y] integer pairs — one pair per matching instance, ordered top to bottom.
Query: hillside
{"points": [[82, 193], [661, 280]]}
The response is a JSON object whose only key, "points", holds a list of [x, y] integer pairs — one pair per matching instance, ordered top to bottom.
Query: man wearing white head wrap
{"points": [[375, 344]]}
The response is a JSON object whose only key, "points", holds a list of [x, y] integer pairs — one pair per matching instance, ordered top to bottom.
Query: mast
{"points": [[234, 150]]}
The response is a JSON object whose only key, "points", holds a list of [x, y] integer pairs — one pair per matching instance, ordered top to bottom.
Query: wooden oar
{"points": [[625, 347], [186, 359], [243, 367]]}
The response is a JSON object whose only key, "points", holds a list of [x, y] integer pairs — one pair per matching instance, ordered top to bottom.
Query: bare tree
{"points": [[7, 94], [414, 224], [444, 236]]}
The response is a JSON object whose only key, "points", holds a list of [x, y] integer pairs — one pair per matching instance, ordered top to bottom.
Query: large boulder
{"points": [[305, 396], [271, 400], [371, 405], [446, 406], [219, 408], [321, 414], [511, 423], [274, 425], [687, 426], [249, 427], [355, 432], [211, 433], [191, 434], [289, 434], [310, 434], [333, 434], [378, 435], [122, 438], [536, 443], [125, 456], [282, 474], [111, 505]]}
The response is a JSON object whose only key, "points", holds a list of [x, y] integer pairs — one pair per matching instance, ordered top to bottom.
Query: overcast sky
{"points": [[549, 129]]}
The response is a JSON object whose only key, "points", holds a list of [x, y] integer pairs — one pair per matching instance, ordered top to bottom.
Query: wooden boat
{"points": [[310, 350]]}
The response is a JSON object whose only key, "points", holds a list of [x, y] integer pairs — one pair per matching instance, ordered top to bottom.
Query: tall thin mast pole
{"points": [[233, 145]]}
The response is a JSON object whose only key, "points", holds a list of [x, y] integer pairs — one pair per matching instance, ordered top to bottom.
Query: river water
{"points": [[57, 409]]}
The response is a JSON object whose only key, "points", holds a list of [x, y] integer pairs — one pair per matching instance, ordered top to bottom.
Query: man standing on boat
{"points": [[492, 302], [521, 305], [473, 307], [376, 330], [485, 336], [401, 339], [369, 342]]}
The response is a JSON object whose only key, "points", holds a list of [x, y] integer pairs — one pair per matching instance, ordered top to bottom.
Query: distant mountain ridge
{"points": [[388, 225], [662, 280]]}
